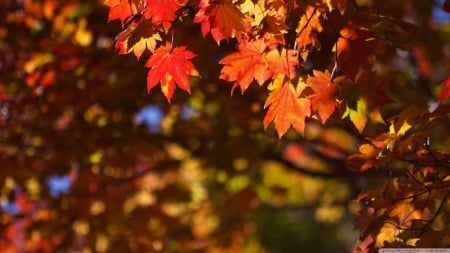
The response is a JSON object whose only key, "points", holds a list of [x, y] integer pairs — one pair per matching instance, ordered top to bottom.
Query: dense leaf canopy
{"points": [[337, 140]]}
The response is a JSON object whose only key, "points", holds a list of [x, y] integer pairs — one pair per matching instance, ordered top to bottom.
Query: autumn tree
{"points": [[274, 118]]}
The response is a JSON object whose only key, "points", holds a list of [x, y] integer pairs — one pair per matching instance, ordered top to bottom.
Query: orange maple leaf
{"points": [[222, 18], [308, 28], [137, 38], [283, 63], [247, 64], [172, 67], [323, 101], [285, 107]]}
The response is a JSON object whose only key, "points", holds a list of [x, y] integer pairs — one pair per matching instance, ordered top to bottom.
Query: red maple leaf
{"points": [[123, 9], [163, 11], [222, 18], [247, 64], [171, 67], [445, 93], [323, 101], [285, 107]]}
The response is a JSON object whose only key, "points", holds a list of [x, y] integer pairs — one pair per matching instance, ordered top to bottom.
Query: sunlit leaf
{"points": [[123, 9], [162, 11], [220, 18], [308, 29], [138, 38], [282, 63], [246, 65], [171, 67], [324, 100], [285, 108], [357, 115], [365, 159], [388, 233]]}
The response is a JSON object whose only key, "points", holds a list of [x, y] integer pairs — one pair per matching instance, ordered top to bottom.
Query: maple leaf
{"points": [[123, 9], [163, 11], [221, 18], [267, 18], [266, 21], [274, 26], [308, 28], [138, 38], [356, 48], [283, 63], [245, 65], [172, 67], [373, 87], [445, 93], [323, 101], [285, 107], [358, 107], [357, 115], [405, 120], [369, 156], [365, 159], [405, 213], [388, 233]]}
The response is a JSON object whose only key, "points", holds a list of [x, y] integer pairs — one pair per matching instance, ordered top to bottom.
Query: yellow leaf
{"points": [[358, 116], [402, 130], [387, 233], [412, 241]]}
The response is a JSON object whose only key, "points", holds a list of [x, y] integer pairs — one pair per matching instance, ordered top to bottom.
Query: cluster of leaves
{"points": [[273, 38], [274, 41], [262, 52], [355, 81], [80, 174], [410, 208]]}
